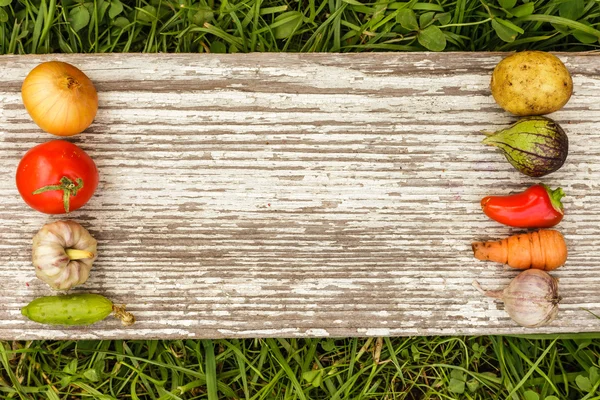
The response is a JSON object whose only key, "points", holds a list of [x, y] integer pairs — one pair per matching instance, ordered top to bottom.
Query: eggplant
{"points": [[536, 146]]}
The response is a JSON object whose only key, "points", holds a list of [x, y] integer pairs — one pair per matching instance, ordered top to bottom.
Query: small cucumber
{"points": [[74, 309]]}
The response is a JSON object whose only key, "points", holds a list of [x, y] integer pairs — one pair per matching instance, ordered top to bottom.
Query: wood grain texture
{"points": [[298, 195]]}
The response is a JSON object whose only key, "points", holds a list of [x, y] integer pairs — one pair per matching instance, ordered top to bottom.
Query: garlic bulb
{"points": [[63, 254], [531, 299]]}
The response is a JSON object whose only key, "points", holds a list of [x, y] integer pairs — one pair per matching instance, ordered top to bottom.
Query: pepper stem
{"points": [[68, 187], [555, 196], [75, 254], [126, 318]]}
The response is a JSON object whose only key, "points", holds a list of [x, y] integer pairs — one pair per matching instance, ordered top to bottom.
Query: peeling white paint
{"points": [[255, 196], [317, 332], [375, 332]]}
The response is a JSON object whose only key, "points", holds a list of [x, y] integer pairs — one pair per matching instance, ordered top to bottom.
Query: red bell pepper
{"points": [[537, 207]]}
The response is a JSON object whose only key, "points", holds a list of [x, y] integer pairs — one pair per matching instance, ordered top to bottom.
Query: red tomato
{"points": [[56, 177]]}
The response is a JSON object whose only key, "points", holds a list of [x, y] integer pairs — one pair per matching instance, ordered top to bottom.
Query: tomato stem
{"points": [[68, 187]]}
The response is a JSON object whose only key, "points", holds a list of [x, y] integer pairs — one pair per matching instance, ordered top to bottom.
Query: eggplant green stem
{"points": [[68, 187], [75, 254]]}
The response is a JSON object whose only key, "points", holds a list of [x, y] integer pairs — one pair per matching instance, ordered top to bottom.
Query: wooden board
{"points": [[298, 195]]}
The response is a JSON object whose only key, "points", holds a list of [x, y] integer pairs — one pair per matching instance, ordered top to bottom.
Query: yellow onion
{"points": [[60, 98], [531, 299]]}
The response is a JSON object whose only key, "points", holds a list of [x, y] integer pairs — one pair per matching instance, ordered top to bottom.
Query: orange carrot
{"points": [[545, 249]]}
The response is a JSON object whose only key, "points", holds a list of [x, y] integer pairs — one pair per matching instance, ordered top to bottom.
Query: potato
{"points": [[531, 83]]}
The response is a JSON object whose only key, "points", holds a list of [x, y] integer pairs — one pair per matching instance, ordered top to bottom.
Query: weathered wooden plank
{"points": [[297, 195]]}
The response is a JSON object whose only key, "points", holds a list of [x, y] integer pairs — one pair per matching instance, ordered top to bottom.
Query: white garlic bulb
{"points": [[63, 254], [531, 299]]}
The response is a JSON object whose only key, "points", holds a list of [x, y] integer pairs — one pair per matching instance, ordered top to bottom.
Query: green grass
{"points": [[69, 26], [487, 367]]}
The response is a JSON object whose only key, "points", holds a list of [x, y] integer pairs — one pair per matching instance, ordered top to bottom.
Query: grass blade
{"points": [[561, 21], [37, 30], [286, 367], [533, 368], [211, 370], [13, 379]]}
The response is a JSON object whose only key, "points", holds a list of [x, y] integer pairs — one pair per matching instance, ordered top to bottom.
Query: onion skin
{"points": [[60, 98]]}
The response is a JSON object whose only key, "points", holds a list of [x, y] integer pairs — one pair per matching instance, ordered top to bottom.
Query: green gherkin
{"points": [[536, 146], [74, 309]]}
